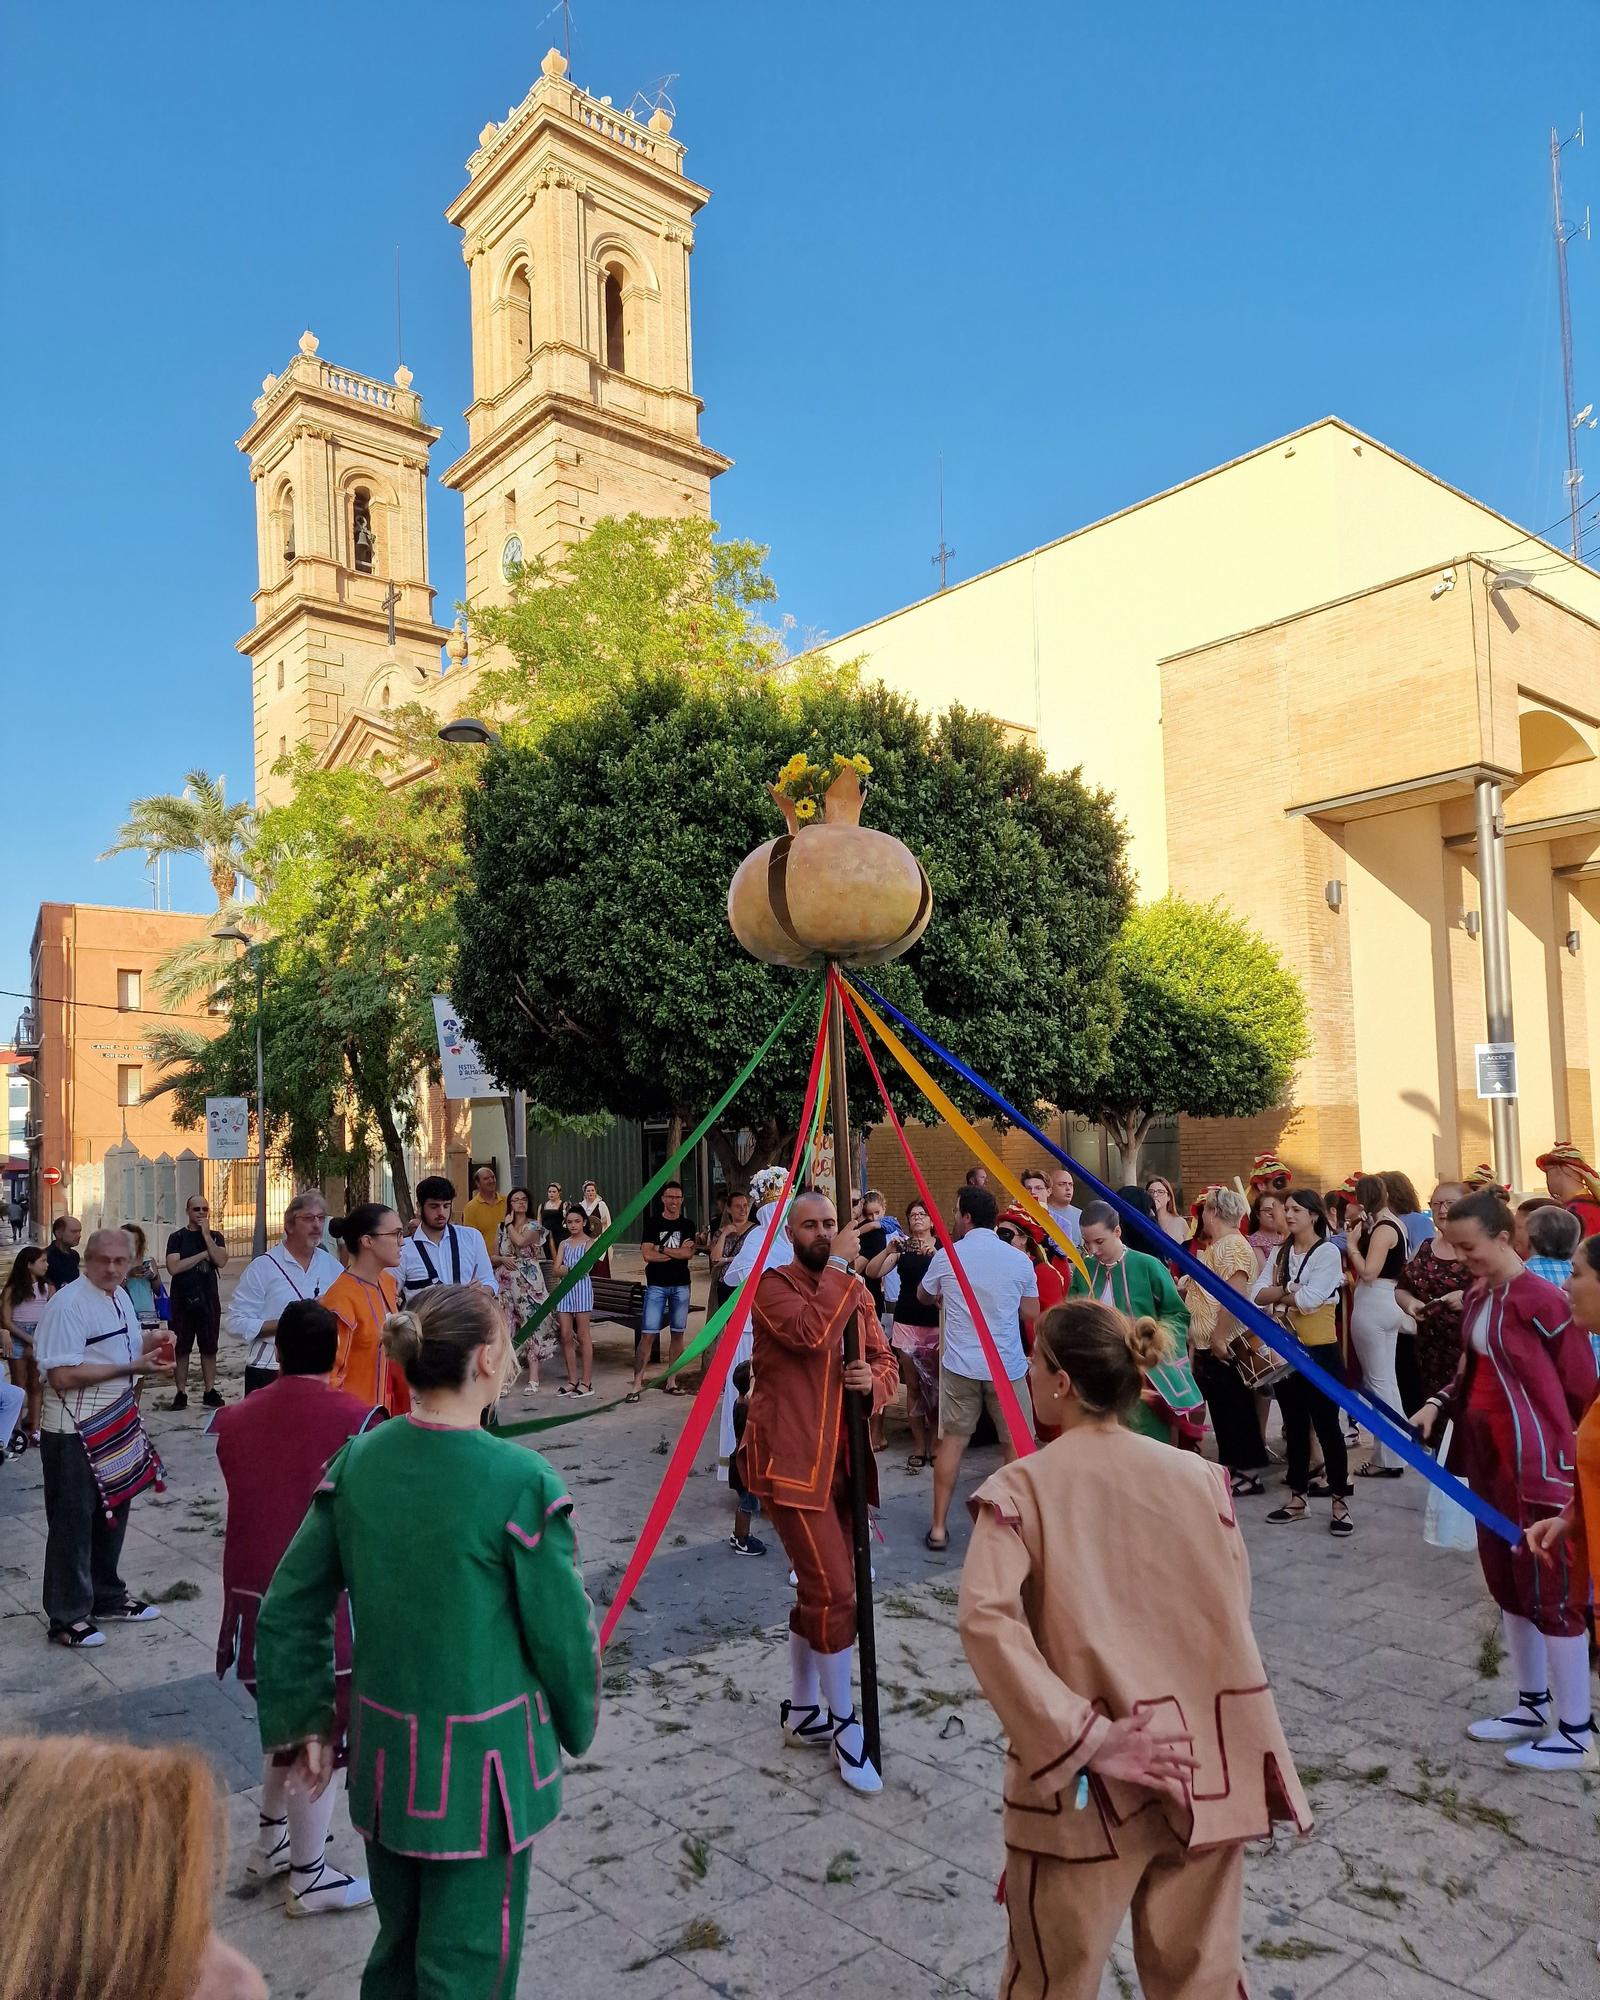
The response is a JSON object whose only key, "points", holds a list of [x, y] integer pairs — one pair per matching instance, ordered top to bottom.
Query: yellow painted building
{"points": [[1301, 674]]}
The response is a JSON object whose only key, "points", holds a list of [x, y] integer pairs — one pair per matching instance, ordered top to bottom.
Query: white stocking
{"points": [[1529, 1660], [833, 1671], [1569, 1679], [803, 1689], [274, 1778], [309, 1820]]}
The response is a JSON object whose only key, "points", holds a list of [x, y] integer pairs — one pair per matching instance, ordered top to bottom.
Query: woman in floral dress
{"points": [[519, 1248]]}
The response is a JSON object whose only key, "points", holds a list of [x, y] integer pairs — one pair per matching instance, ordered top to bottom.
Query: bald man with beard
{"points": [[797, 1463]]}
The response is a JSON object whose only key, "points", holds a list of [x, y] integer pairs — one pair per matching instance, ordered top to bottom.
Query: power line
{"points": [[96, 1006]]}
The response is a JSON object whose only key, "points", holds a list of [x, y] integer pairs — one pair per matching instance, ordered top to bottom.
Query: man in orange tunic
{"points": [[796, 1462]]}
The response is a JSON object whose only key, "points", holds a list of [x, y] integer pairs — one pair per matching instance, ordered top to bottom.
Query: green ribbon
{"points": [[654, 1185], [705, 1338]]}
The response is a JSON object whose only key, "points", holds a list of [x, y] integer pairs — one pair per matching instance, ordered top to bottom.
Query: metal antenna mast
{"points": [[1564, 235], [944, 556]]}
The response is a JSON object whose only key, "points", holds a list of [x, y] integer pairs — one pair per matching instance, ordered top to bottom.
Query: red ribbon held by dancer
{"points": [[720, 1366]]}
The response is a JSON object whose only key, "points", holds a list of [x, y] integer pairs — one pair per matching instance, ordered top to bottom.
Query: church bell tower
{"points": [[577, 224], [344, 610]]}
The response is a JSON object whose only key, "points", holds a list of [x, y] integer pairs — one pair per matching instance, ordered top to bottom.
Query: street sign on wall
{"points": [[51, 1176]]}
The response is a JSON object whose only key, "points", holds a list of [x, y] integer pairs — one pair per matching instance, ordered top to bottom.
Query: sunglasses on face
{"points": [[1006, 1235]]}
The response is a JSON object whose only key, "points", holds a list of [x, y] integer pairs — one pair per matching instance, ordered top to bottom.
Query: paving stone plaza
{"points": [[696, 1854]]}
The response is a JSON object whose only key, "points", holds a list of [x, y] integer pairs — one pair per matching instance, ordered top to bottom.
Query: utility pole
{"points": [[1564, 235], [943, 557]]}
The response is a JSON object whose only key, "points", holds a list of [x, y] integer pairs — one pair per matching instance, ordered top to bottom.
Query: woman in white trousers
{"points": [[1375, 1248]]}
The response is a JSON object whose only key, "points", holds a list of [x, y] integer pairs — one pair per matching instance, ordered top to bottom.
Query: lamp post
{"points": [[467, 729], [231, 934]]}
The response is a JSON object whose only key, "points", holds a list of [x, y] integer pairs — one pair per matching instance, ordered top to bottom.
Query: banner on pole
{"points": [[461, 1068], [227, 1128]]}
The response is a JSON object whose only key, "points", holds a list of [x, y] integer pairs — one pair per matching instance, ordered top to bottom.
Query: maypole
{"points": [[831, 892]]}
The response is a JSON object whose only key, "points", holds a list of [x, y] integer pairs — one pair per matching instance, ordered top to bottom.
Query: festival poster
{"points": [[461, 1068], [227, 1128]]}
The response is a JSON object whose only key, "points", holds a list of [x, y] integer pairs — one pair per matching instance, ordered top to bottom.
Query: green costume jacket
{"points": [[1142, 1285], [476, 1657]]}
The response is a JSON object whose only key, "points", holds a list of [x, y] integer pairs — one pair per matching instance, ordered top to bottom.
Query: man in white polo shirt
{"points": [[442, 1252], [299, 1268], [1007, 1292], [90, 1347]]}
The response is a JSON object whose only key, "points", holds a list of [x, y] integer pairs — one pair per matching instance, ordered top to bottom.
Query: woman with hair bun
{"points": [[361, 1298], [1086, 1559], [476, 1662]]}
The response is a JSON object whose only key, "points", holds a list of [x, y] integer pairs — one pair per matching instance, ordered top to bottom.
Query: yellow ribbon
{"points": [[969, 1134]]}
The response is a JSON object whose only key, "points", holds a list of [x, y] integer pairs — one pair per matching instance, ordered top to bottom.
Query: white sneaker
{"points": [[1529, 1719], [805, 1723], [1563, 1749], [855, 1766], [270, 1855], [327, 1893]]}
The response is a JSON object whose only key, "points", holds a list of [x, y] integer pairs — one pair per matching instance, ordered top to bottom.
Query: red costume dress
{"points": [[1527, 1375], [273, 1449], [796, 1453]]}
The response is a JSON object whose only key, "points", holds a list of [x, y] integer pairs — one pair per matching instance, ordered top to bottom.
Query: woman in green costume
{"points": [[1141, 1287], [476, 1657]]}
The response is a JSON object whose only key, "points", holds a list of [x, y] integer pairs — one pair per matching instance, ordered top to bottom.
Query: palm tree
{"points": [[199, 821]]}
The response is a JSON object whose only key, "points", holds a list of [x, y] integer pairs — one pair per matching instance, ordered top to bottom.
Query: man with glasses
{"points": [[194, 1257], [299, 1268]]}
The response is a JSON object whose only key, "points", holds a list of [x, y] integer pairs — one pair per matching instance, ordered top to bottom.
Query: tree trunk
{"points": [[382, 1113], [1130, 1129], [772, 1147], [395, 1152]]}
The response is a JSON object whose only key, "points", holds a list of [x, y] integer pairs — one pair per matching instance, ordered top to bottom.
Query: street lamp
{"points": [[468, 729], [231, 934]]}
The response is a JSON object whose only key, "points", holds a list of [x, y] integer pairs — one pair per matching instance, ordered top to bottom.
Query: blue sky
{"points": [[1086, 252]]}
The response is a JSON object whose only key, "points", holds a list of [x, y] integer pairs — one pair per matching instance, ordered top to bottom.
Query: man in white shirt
{"points": [[769, 1190], [1061, 1207], [442, 1252], [299, 1268], [1007, 1292], [90, 1348]]}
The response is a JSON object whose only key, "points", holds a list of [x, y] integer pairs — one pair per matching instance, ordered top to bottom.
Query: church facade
{"points": [[577, 224]]}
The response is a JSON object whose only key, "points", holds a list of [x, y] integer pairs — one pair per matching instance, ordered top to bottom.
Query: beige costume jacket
{"points": [[1107, 1575]]}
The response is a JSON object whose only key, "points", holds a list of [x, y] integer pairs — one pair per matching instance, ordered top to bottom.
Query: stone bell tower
{"points": [[577, 223], [344, 610]]}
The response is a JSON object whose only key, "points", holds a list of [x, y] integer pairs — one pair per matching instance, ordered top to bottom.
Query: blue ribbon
{"points": [[1375, 1416]]}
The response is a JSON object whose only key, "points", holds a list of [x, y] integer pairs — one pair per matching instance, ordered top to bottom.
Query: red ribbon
{"points": [[709, 1394], [1010, 1408]]}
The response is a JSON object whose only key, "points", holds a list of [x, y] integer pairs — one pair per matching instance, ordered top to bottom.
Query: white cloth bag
{"points": [[1446, 1524]]}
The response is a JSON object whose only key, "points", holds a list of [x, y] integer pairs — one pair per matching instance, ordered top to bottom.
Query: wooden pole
{"points": [[857, 1407]]}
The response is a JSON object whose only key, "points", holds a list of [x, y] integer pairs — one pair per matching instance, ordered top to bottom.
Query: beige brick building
{"points": [[1300, 675]]}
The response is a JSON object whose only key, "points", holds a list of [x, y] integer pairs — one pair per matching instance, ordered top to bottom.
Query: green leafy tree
{"points": [[634, 595], [198, 821], [358, 885], [596, 964], [1213, 1023]]}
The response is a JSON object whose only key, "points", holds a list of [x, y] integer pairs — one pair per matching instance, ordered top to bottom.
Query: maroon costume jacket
{"points": [[1545, 1366], [795, 1432], [273, 1449]]}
